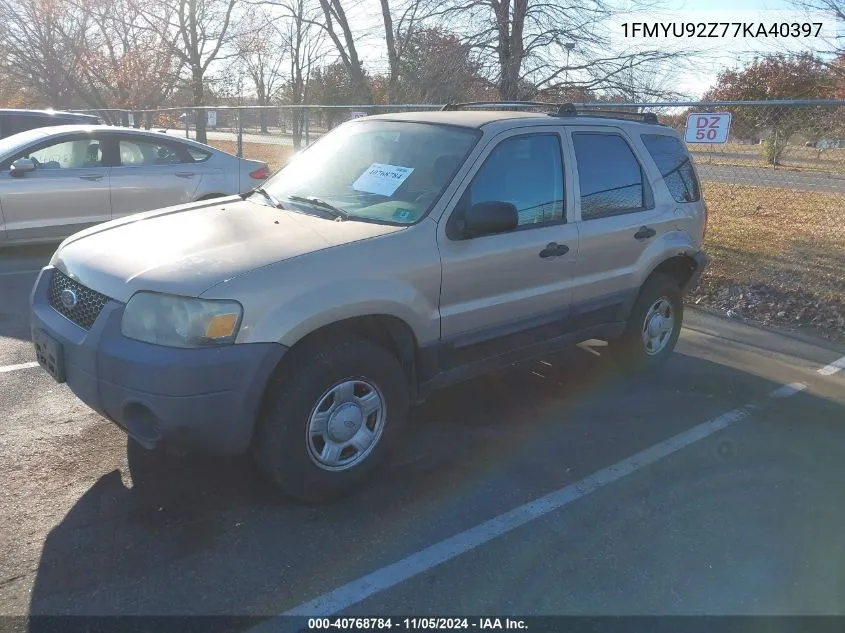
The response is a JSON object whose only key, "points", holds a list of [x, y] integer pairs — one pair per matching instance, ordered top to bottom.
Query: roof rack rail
{"points": [[502, 104], [559, 109], [569, 109]]}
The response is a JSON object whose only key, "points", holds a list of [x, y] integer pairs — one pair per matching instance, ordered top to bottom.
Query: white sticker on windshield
{"points": [[382, 179]]}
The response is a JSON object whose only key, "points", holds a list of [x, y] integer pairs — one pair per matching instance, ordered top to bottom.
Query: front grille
{"points": [[89, 303]]}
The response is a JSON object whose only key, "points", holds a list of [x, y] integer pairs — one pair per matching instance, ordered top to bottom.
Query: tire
{"points": [[631, 349], [336, 383]]}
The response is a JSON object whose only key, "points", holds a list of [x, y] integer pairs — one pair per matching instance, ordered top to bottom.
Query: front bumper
{"points": [[198, 399]]}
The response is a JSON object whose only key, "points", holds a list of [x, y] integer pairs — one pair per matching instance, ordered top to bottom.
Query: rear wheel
{"points": [[654, 324], [326, 427]]}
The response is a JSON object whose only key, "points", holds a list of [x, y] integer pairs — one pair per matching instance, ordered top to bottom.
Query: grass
{"points": [[274, 155], [792, 240], [778, 256]]}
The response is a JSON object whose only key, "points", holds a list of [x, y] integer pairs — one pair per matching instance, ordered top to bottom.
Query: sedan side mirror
{"points": [[22, 166], [486, 218]]}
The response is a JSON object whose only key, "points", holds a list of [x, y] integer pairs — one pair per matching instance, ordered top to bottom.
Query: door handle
{"points": [[185, 174], [92, 176], [645, 232], [553, 249]]}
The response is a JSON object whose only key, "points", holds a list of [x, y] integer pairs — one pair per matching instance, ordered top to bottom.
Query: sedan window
{"points": [[140, 152], [80, 153]]}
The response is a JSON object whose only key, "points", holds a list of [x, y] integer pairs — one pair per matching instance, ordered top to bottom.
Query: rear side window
{"points": [[136, 152], [198, 155], [675, 165], [609, 175]]}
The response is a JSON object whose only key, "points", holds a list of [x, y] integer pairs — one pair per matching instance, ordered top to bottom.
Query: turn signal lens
{"points": [[221, 326]]}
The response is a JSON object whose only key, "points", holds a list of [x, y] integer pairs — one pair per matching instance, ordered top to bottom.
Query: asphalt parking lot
{"points": [[716, 486]]}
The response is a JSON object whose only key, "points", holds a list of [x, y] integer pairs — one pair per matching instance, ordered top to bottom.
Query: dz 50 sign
{"points": [[712, 127]]}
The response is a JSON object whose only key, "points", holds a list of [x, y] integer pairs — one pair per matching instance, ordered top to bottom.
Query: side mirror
{"points": [[22, 166], [486, 218]]}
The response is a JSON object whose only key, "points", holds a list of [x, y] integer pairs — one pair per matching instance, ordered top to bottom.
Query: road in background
{"points": [[779, 178]]}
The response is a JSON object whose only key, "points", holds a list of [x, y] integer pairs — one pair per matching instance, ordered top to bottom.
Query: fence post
{"points": [[187, 125], [305, 125], [240, 152]]}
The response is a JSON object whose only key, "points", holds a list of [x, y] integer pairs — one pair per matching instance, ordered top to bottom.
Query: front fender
{"points": [[335, 301]]}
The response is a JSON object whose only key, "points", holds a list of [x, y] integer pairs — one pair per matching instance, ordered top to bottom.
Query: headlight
{"points": [[180, 321]]}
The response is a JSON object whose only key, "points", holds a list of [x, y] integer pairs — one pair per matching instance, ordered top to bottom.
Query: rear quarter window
{"points": [[198, 155], [675, 165]]}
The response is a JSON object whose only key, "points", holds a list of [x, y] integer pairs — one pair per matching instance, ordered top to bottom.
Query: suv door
{"points": [[151, 174], [68, 191], [618, 217], [504, 291]]}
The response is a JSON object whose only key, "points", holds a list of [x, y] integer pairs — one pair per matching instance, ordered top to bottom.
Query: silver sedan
{"points": [[56, 181]]}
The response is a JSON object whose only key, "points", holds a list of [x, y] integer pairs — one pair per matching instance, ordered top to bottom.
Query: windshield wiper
{"points": [[273, 200], [322, 204]]}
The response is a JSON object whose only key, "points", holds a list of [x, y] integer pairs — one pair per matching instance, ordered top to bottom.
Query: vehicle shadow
{"points": [[200, 535]]}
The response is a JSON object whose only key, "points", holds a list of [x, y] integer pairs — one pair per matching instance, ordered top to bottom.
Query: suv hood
{"points": [[187, 249]]}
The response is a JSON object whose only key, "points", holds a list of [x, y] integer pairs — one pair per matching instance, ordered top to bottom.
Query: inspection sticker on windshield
{"points": [[382, 179]]}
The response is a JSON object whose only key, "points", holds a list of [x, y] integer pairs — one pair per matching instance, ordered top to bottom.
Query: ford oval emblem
{"points": [[68, 298]]}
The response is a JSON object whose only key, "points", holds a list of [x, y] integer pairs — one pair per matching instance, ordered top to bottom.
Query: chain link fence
{"points": [[775, 190]]}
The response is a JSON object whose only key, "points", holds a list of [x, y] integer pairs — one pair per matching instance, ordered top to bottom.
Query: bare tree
{"points": [[335, 18], [402, 22], [197, 32], [43, 40], [528, 41], [305, 43], [262, 50], [831, 51], [122, 65], [436, 67]]}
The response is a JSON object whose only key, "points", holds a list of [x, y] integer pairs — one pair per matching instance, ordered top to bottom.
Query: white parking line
{"points": [[834, 367], [7, 368], [382, 579]]}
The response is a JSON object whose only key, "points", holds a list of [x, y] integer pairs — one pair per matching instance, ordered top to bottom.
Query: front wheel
{"points": [[654, 325], [330, 423]]}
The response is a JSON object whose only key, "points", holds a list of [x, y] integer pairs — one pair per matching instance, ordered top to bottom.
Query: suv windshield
{"points": [[386, 171]]}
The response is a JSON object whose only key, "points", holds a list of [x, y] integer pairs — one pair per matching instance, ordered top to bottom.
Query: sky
{"points": [[704, 70], [697, 74]]}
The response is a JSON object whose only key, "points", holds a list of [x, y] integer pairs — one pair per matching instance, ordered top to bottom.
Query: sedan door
{"points": [[151, 173], [67, 192]]}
